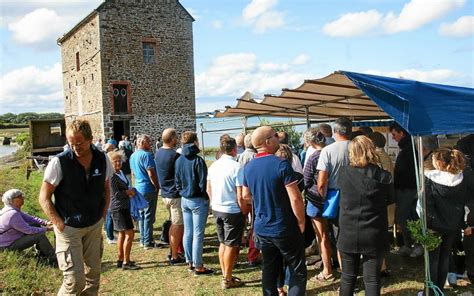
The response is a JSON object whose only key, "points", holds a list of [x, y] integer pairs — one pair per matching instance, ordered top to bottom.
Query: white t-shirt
{"points": [[309, 151], [332, 158], [296, 164], [53, 173], [223, 175]]}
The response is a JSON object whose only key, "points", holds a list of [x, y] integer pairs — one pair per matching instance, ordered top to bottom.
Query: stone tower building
{"points": [[128, 68]]}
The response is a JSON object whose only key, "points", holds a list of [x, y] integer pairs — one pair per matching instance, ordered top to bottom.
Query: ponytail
{"points": [[449, 160]]}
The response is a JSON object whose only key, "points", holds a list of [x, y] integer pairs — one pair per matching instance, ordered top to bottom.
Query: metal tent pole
{"points": [[306, 111], [244, 124], [202, 141], [420, 185]]}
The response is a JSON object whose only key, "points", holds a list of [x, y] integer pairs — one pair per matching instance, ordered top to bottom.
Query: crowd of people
{"points": [[258, 185]]}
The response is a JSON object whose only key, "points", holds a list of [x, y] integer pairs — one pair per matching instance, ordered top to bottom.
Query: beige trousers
{"points": [[79, 253]]}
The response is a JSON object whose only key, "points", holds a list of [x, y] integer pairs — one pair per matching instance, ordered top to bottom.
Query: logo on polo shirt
{"points": [[96, 173]]}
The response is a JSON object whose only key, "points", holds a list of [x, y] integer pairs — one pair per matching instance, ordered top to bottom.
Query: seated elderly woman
{"points": [[19, 231]]}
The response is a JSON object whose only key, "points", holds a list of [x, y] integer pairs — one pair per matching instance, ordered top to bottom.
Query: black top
{"points": [[404, 171], [80, 199], [119, 199], [445, 204], [363, 225]]}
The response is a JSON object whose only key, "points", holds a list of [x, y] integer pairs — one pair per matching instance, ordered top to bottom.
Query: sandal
{"points": [[324, 278], [235, 282]]}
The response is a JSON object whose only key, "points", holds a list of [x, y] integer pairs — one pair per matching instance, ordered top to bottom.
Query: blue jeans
{"points": [[195, 211], [147, 219], [109, 226], [275, 250]]}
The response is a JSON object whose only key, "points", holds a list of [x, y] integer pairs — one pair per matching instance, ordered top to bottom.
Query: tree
{"points": [[294, 137]]}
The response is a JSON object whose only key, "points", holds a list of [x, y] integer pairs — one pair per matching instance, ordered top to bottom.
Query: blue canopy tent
{"points": [[420, 108]]}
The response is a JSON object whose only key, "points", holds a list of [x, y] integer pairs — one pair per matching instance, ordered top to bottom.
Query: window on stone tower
{"points": [[148, 52], [78, 62], [120, 97]]}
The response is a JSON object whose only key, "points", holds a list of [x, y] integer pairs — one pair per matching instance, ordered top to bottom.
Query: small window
{"points": [[148, 52], [78, 62], [120, 98], [55, 129]]}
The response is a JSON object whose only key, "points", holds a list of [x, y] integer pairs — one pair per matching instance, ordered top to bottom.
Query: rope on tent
{"points": [[437, 291]]}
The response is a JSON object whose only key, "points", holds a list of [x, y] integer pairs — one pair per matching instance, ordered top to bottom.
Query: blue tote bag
{"points": [[137, 203], [331, 204]]}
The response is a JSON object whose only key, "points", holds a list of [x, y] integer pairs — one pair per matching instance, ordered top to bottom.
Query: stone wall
{"points": [[83, 86], [162, 93]]}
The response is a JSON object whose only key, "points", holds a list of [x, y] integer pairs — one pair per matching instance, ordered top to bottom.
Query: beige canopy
{"points": [[317, 99]]}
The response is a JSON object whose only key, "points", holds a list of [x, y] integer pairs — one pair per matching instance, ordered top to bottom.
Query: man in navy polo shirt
{"points": [[279, 213]]}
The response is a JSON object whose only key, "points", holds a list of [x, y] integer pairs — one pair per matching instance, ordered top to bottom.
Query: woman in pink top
{"points": [[19, 231]]}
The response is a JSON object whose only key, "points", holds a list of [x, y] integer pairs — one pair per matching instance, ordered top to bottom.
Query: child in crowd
{"points": [[446, 195]]}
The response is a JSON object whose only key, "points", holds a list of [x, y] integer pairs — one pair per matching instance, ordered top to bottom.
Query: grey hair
{"points": [[343, 126], [326, 129], [308, 134], [141, 138], [248, 141], [119, 153], [11, 194]]}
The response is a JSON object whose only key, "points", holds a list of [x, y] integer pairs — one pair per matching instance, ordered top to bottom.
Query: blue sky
{"points": [[259, 46]]}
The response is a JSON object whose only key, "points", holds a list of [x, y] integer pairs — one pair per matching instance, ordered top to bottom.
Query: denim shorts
{"points": [[313, 211]]}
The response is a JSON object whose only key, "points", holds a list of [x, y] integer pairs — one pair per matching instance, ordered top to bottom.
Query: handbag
{"points": [[137, 203], [331, 204]]}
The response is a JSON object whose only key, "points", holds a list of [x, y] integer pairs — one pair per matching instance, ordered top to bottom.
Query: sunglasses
{"points": [[274, 135]]}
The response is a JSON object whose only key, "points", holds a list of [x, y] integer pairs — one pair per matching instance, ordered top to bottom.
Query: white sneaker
{"points": [[112, 241], [452, 279]]}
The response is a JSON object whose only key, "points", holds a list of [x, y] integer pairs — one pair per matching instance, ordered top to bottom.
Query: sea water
{"points": [[215, 127], [7, 149]]}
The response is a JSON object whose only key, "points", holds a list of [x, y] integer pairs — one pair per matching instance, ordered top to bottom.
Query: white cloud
{"points": [[257, 8], [74, 10], [417, 13], [260, 15], [413, 15], [269, 20], [217, 24], [353, 24], [462, 27], [39, 28], [301, 59], [272, 67], [233, 74], [433, 76], [32, 89]]}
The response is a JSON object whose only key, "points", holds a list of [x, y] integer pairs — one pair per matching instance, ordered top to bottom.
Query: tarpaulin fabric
{"points": [[421, 108]]}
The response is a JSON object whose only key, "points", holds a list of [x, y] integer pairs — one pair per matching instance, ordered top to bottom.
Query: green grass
{"points": [[12, 132], [21, 275]]}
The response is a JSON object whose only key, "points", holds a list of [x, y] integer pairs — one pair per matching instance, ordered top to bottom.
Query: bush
{"points": [[21, 138]]}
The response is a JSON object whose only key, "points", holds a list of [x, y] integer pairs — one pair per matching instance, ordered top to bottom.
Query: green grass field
{"points": [[21, 275]]}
